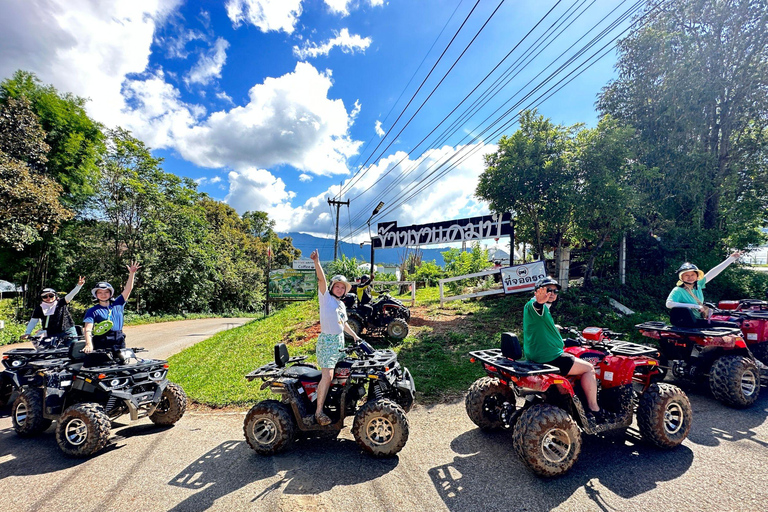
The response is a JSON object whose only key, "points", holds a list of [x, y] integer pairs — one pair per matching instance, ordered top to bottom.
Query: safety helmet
{"points": [[688, 267], [340, 279], [545, 281], [103, 286], [46, 291]]}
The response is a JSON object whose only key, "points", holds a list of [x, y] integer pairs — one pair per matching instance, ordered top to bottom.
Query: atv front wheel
{"points": [[397, 329], [735, 381], [485, 402], [173, 404], [27, 413], [664, 415], [269, 427], [380, 428], [83, 430], [547, 440]]}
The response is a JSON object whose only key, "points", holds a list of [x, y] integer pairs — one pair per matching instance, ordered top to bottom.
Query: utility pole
{"points": [[337, 204]]}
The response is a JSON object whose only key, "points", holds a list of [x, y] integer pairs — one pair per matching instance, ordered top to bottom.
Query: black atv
{"points": [[386, 315], [18, 372], [373, 377], [84, 392]]}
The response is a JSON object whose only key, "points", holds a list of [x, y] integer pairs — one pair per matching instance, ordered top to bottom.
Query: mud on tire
{"points": [[397, 329], [735, 381], [484, 402], [173, 404], [27, 413], [664, 415], [269, 427], [380, 428], [82, 430], [547, 440]]}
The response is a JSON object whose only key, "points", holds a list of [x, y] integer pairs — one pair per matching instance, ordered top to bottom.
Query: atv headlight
{"points": [[16, 363], [157, 375], [116, 383]]}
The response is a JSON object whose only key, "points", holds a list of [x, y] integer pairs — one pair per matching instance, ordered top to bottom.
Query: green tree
{"points": [[692, 82], [75, 140], [605, 165], [530, 175], [29, 198]]}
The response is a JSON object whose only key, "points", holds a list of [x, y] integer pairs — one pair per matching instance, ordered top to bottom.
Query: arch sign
{"points": [[461, 230]]}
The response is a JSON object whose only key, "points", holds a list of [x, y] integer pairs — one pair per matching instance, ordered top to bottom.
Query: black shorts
{"points": [[564, 362]]}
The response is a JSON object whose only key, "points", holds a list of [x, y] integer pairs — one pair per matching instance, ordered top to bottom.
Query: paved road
{"points": [[165, 339], [203, 463]]}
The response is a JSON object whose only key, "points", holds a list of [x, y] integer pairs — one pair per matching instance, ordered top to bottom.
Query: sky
{"points": [[278, 105]]}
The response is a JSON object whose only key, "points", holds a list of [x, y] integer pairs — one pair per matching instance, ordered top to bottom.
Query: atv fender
{"points": [[542, 383]]}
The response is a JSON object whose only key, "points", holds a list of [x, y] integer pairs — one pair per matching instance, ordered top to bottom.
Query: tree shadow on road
{"points": [[487, 463], [304, 470]]}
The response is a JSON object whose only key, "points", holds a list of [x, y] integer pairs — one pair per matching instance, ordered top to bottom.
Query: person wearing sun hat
{"points": [[686, 300], [54, 313], [103, 323], [333, 324], [542, 343]]}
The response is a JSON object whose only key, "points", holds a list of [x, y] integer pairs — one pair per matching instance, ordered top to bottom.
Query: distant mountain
{"points": [[308, 243]]}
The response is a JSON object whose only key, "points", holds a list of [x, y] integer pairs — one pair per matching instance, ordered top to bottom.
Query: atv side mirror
{"points": [[281, 355]]}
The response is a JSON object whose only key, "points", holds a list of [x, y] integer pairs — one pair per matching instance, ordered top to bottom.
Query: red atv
{"points": [[752, 317], [719, 353], [547, 425]]}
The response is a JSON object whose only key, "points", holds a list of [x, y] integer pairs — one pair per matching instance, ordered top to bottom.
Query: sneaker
{"points": [[597, 416], [322, 419]]}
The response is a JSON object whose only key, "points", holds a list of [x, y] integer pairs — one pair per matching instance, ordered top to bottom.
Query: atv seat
{"points": [[510, 346], [75, 351], [281, 355], [304, 373]]}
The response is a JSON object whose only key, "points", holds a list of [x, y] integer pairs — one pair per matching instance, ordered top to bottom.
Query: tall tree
{"points": [[694, 83], [530, 175]]}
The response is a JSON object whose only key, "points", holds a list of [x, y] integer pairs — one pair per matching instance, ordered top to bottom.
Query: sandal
{"points": [[322, 419]]}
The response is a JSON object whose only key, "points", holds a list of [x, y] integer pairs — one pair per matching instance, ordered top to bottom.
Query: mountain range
{"points": [[308, 243]]}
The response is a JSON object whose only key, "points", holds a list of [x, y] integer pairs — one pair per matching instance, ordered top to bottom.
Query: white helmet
{"points": [[340, 279], [103, 286]]}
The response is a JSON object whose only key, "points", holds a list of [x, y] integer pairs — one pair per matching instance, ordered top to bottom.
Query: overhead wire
{"points": [[538, 101]]}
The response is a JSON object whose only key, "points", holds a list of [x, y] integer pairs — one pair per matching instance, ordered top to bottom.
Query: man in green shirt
{"points": [[542, 342]]}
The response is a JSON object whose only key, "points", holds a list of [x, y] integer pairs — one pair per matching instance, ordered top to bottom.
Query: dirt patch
{"points": [[438, 321], [307, 334]]}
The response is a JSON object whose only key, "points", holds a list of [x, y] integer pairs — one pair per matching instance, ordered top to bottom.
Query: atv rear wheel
{"points": [[397, 329], [735, 381], [485, 401], [173, 404], [27, 413], [664, 415], [269, 427], [381, 428], [83, 430], [547, 440]]}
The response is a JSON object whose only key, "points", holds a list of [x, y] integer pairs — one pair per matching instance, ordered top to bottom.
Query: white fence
{"points": [[483, 293]]}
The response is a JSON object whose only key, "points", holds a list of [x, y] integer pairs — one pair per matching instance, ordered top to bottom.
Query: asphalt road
{"points": [[203, 463]]}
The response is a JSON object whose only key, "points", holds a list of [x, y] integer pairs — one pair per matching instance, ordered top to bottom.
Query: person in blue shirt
{"points": [[107, 315]]}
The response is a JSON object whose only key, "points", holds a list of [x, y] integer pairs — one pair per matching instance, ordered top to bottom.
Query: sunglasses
{"points": [[553, 290], [48, 296]]}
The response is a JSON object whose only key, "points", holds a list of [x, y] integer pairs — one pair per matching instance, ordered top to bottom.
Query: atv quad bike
{"points": [[386, 315], [751, 315], [717, 353], [16, 361], [368, 384], [84, 392], [548, 424]]}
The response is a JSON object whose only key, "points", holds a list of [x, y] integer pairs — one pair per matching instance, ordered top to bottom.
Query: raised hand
{"points": [[314, 256], [133, 267], [81, 281]]}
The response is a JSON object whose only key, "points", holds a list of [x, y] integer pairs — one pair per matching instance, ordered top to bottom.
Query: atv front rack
{"points": [[627, 348], [493, 357], [379, 359]]}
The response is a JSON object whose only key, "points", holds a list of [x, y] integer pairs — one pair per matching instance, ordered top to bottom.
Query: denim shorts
{"points": [[328, 349]]}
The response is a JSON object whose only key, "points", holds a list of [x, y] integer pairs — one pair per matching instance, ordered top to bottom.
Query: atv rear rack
{"points": [[627, 348], [493, 357], [271, 369]]}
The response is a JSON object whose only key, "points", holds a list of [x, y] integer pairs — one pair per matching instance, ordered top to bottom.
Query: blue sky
{"points": [[271, 105]]}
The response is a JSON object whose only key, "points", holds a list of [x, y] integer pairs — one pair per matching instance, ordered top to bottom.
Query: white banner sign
{"points": [[303, 264], [521, 278]]}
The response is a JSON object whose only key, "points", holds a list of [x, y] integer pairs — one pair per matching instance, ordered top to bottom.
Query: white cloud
{"points": [[342, 7], [267, 15], [348, 44], [176, 47], [210, 64], [225, 97], [288, 120], [379, 131], [303, 177], [205, 180], [450, 197]]}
